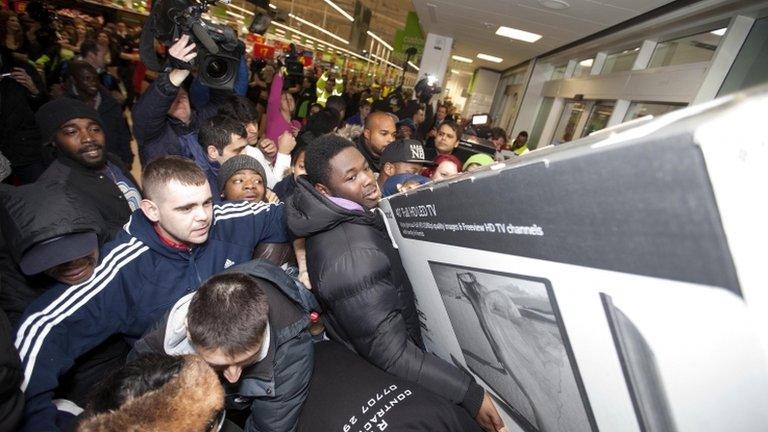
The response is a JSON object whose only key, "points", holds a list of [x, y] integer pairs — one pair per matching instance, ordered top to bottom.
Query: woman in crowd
{"points": [[12, 35], [280, 110], [445, 167]]}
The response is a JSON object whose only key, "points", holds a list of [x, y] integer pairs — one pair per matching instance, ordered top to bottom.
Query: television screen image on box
{"points": [[511, 336]]}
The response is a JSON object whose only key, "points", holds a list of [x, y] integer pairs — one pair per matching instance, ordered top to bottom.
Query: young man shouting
{"points": [[165, 251]]}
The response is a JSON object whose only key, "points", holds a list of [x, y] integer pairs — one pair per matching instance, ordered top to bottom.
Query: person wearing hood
{"points": [[83, 84], [477, 161], [99, 179], [50, 244], [42, 245], [168, 248], [367, 298], [250, 323], [158, 393]]}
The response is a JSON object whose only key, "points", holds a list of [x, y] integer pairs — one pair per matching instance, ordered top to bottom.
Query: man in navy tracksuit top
{"points": [[167, 249]]}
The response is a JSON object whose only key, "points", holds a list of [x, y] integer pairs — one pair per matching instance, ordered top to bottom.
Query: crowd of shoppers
{"points": [[247, 238]]}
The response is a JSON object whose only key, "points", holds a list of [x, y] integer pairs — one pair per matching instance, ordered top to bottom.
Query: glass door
{"points": [[598, 117], [570, 119]]}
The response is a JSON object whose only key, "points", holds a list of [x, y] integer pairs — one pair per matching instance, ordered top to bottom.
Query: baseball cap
{"points": [[406, 150], [58, 250]]}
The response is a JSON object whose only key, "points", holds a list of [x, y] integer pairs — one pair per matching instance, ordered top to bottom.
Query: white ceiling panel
{"points": [[473, 24]]}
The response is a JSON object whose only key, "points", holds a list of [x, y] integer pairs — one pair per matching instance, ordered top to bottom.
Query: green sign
{"points": [[410, 36]]}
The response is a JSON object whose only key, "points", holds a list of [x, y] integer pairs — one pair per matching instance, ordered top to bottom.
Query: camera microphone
{"points": [[201, 32]]}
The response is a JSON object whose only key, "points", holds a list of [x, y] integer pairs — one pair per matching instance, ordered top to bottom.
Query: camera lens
{"points": [[217, 69]]}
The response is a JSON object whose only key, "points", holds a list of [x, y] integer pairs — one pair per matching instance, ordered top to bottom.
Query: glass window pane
{"points": [[689, 49], [620, 61], [751, 65], [583, 68], [558, 72], [642, 109], [598, 117], [541, 120], [569, 120]]}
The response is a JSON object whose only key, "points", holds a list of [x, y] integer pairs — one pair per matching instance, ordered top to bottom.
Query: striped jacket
{"points": [[137, 281]]}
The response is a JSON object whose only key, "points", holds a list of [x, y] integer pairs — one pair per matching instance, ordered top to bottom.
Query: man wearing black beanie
{"points": [[82, 164]]}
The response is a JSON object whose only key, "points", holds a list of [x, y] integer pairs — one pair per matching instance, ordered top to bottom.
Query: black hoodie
{"points": [[368, 300]]}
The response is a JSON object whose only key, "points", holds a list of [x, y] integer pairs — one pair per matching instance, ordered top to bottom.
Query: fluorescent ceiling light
{"points": [[272, 6], [241, 9], [340, 10], [230, 13], [317, 27], [279, 30], [719, 32], [518, 34], [320, 41], [381, 41], [490, 58], [461, 59], [386, 61], [587, 62], [410, 63]]}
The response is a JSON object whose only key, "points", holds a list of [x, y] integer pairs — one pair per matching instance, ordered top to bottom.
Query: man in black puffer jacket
{"points": [[359, 279]]}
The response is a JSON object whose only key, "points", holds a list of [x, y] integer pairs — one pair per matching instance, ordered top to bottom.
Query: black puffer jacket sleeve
{"points": [[366, 304]]}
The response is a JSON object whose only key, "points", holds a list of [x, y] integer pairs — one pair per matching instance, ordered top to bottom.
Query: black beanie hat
{"points": [[59, 111], [237, 163]]}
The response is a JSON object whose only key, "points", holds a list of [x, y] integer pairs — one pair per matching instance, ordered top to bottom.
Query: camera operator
{"points": [[163, 120]]}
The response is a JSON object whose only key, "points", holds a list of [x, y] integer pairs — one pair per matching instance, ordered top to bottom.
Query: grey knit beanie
{"points": [[237, 163]]}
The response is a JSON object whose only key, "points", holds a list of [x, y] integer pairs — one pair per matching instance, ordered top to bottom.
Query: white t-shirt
{"points": [[274, 173]]}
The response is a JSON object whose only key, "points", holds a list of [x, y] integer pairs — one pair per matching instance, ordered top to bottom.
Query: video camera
{"points": [[218, 49], [426, 88]]}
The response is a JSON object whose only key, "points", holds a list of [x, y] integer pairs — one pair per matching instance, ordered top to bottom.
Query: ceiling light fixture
{"points": [[554, 4], [273, 6], [241, 9], [340, 10], [432, 10], [230, 13], [317, 27], [719, 32], [522, 35], [320, 41], [381, 41], [490, 58], [461, 59], [386, 61], [410, 63], [586, 63]]}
